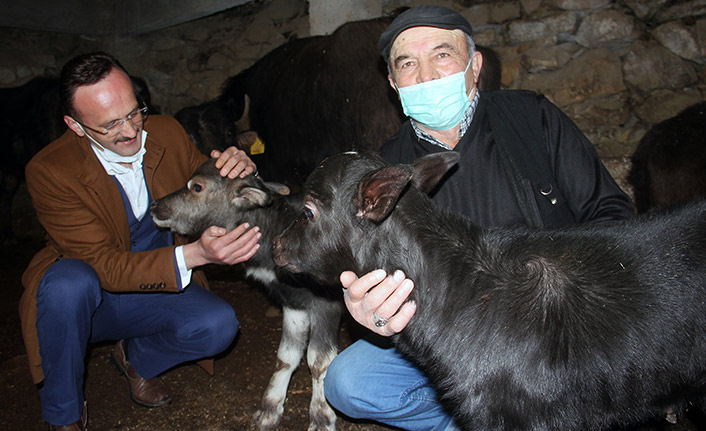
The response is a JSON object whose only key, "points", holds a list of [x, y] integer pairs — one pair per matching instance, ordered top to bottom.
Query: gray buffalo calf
{"points": [[309, 312], [583, 328]]}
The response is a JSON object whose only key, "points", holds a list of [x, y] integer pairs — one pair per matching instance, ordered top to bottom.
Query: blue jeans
{"points": [[163, 330], [370, 380]]}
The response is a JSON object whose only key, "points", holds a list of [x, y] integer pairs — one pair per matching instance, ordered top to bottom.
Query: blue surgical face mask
{"points": [[438, 104]]}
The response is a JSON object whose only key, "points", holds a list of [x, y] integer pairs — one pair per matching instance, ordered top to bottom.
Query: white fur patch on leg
{"points": [[295, 331], [321, 415]]}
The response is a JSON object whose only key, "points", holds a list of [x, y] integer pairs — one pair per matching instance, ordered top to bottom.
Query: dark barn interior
{"points": [[617, 68]]}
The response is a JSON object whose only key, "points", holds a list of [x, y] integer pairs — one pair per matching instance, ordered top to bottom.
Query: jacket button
{"points": [[143, 287]]}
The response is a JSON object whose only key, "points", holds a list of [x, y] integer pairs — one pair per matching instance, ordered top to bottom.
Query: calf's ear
{"points": [[430, 169], [278, 188], [379, 191], [250, 197]]}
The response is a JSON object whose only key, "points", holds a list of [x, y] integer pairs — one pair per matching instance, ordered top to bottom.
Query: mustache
{"points": [[125, 139]]}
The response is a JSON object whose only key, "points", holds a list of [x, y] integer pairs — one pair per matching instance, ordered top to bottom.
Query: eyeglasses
{"points": [[136, 117]]}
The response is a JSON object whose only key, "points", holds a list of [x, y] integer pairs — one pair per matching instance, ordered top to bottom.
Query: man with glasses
{"points": [[138, 116], [107, 272]]}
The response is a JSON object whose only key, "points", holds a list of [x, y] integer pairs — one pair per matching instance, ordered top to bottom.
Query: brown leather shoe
{"points": [[147, 393], [79, 425]]}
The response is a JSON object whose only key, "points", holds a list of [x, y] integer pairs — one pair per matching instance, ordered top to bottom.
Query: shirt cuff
{"points": [[183, 272]]}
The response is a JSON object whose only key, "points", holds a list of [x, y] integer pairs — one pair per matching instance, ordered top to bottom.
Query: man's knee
{"points": [[67, 285], [223, 328], [215, 330], [333, 382], [341, 385]]}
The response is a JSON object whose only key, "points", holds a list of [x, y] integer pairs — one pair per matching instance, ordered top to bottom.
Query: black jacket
{"points": [[482, 188]]}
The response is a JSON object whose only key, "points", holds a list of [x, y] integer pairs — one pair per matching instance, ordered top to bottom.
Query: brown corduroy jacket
{"points": [[80, 208]]}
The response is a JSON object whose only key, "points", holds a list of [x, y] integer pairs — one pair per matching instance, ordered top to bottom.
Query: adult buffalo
{"points": [[311, 98], [669, 164]]}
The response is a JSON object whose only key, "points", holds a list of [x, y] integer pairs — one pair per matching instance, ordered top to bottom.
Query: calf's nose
{"points": [[159, 211]]}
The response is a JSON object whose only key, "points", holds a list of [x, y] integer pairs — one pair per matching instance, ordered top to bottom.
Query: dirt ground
{"points": [[226, 401]]}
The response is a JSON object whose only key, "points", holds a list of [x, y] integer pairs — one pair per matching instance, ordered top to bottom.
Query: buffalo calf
{"points": [[210, 126], [309, 312], [581, 328]]}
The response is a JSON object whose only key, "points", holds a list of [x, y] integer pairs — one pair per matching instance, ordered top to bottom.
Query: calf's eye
{"points": [[197, 188], [308, 213]]}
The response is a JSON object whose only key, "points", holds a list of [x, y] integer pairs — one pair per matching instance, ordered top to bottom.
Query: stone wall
{"points": [[615, 67]]}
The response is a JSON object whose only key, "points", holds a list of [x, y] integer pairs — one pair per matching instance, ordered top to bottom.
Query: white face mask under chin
{"points": [[113, 157]]}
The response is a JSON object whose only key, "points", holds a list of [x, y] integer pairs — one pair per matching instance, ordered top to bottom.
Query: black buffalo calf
{"points": [[211, 126], [309, 312], [582, 328]]}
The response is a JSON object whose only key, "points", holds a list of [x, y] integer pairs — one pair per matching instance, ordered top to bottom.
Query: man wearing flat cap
{"points": [[522, 162]]}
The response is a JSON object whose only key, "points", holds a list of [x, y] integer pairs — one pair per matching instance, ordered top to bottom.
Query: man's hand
{"points": [[234, 162], [221, 247], [377, 296]]}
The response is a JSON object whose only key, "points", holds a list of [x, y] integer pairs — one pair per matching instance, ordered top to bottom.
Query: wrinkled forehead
{"points": [[420, 40]]}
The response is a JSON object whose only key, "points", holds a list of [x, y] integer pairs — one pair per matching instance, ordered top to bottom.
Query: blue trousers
{"points": [[163, 329], [372, 380]]}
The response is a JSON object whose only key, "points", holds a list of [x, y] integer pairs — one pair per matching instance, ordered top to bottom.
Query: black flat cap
{"points": [[422, 15]]}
